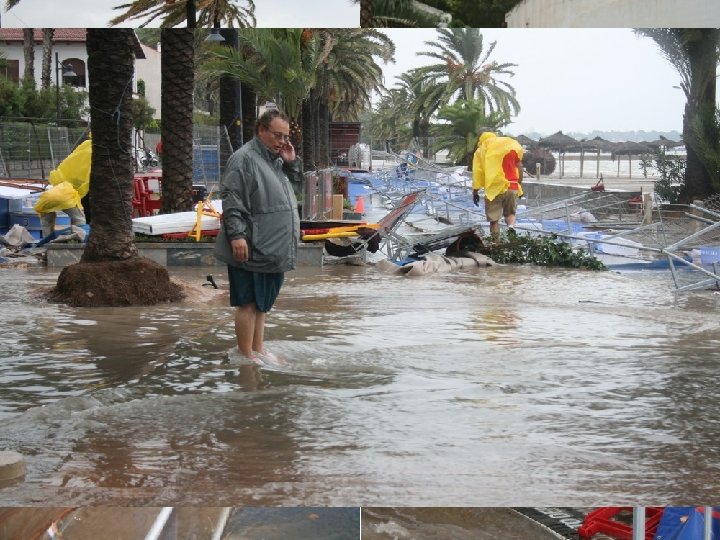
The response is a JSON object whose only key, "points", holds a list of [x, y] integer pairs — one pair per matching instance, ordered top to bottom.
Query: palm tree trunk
{"points": [[190, 13], [366, 13], [48, 35], [29, 56], [702, 58], [110, 71], [177, 79], [248, 98], [230, 107], [308, 121], [323, 133], [110, 273]]}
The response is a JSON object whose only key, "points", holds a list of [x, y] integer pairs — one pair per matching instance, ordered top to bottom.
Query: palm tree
{"points": [[212, 13], [393, 13], [48, 34], [695, 53], [29, 56], [278, 64], [110, 66], [466, 71], [346, 77], [177, 80], [425, 98], [392, 119], [463, 121], [110, 271]]}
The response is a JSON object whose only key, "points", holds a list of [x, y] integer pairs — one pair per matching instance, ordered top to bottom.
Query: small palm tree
{"points": [[210, 13], [466, 71], [463, 121]]}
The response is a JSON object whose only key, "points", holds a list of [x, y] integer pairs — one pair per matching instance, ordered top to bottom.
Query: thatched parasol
{"points": [[526, 141], [664, 142], [560, 143], [597, 145], [630, 149]]}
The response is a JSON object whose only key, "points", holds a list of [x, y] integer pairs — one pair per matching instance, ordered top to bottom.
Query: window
{"points": [[78, 66], [11, 70]]}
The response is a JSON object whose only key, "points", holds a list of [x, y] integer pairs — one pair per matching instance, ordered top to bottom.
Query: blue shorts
{"points": [[254, 287]]}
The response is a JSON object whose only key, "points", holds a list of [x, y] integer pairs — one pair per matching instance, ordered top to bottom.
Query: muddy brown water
{"points": [[511, 386]]}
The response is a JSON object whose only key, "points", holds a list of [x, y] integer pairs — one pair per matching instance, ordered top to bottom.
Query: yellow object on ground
{"points": [[75, 169], [57, 198], [335, 234]]}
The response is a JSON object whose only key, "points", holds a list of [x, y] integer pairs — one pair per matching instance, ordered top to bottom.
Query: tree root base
{"points": [[132, 282]]}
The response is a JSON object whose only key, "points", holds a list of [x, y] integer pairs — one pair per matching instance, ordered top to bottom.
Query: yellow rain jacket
{"points": [[488, 164], [75, 169], [70, 182], [57, 198]]}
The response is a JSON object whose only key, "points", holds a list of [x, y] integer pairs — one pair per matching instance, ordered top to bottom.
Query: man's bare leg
{"points": [[510, 220], [495, 230], [245, 317], [258, 341]]}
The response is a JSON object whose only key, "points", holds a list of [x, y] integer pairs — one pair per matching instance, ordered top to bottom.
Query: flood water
{"points": [[509, 386]]}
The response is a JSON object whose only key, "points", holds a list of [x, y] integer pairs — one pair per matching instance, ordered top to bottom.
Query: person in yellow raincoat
{"points": [[497, 168], [70, 182]]}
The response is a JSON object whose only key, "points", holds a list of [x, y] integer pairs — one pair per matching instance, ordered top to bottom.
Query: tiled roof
{"points": [[61, 34], [77, 35]]}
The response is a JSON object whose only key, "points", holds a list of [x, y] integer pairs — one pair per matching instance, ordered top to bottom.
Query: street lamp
{"points": [[67, 71]]}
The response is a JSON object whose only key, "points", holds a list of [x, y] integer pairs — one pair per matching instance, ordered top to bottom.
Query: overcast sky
{"points": [[97, 13], [565, 79], [572, 79]]}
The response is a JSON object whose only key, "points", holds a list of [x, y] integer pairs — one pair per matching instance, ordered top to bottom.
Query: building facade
{"points": [[614, 14], [70, 46]]}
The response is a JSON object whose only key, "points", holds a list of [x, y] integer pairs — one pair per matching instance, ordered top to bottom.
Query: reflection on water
{"points": [[511, 386]]}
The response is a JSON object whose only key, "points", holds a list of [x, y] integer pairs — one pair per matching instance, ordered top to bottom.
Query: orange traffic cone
{"points": [[360, 205]]}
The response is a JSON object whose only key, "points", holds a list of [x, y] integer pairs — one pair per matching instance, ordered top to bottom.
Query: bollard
{"points": [[12, 466]]}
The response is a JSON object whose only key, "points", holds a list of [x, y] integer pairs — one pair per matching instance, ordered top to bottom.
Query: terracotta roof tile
{"points": [[61, 34]]}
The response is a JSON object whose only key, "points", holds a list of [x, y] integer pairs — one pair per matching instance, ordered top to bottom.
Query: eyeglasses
{"points": [[280, 136]]}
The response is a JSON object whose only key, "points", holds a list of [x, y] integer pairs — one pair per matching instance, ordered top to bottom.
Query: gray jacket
{"points": [[259, 204]]}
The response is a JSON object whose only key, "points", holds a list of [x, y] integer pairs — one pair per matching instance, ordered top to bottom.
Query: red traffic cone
{"points": [[360, 205]]}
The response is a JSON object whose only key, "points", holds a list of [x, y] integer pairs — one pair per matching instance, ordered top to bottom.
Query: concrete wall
{"points": [[615, 14], [176, 254]]}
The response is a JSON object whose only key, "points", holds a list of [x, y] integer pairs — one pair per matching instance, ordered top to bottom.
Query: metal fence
{"points": [[32, 150], [211, 150]]}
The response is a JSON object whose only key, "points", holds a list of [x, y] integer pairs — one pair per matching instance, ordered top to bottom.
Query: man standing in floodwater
{"points": [[497, 167], [260, 231]]}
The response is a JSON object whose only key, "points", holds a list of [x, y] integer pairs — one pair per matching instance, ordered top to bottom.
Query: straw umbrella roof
{"points": [[524, 140], [559, 141], [664, 142], [598, 143], [631, 148]]}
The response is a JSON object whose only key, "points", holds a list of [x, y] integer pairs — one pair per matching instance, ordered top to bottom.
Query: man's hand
{"points": [[288, 152], [476, 197], [239, 249]]}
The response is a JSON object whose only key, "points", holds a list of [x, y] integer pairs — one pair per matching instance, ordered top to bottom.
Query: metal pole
{"points": [[57, 89], [708, 522], [638, 523]]}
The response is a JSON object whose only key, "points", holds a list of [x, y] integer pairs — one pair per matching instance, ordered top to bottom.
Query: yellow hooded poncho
{"points": [[487, 164], [70, 181]]}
